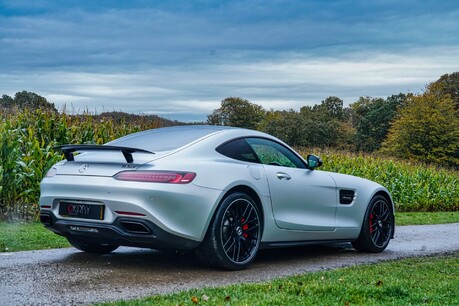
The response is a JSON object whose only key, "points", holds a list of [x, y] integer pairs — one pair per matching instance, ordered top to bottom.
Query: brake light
{"points": [[51, 172], [170, 177]]}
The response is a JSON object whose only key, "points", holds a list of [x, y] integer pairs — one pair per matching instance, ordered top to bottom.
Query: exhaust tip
{"points": [[46, 219], [135, 227]]}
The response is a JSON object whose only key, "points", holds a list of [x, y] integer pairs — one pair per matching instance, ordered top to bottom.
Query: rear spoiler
{"points": [[68, 150]]}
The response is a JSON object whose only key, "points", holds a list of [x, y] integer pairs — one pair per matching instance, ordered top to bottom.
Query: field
{"points": [[27, 139], [26, 153], [414, 187]]}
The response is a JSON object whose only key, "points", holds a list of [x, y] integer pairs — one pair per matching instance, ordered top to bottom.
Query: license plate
{"points": [[81, 210]]}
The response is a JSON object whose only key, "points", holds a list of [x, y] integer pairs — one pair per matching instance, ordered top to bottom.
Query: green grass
{"points": [[419, 218], [25, 236], [28, 236], [416, 281]]}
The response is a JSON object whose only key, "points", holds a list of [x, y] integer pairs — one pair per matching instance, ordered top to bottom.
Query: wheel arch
{"points": [[244, 189], [252, 193], [208, 249]]}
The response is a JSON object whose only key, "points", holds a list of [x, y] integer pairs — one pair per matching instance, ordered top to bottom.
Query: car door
{"points": [[301, 199]]}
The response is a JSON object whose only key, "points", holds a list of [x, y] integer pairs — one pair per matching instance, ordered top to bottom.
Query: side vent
{"points": [[346, 196]]}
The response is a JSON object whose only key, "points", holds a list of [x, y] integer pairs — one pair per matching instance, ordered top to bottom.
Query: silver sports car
{"points": [[220, 191]]}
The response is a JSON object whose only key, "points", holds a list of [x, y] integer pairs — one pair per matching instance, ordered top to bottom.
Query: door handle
{"points": [[283, 176]]}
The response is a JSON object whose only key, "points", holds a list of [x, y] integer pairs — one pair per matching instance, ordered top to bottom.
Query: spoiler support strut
{"points": [[68, 151]]}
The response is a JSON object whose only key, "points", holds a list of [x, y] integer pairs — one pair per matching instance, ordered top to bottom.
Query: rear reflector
{"points": [[170, 177], [129, 213]]}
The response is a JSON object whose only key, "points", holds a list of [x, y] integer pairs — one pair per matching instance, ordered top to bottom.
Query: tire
{"points": [[377, 228], [233, 238], [90, 247]]}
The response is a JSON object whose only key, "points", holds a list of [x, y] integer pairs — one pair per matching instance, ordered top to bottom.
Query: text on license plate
{"points": [[81, 210]]}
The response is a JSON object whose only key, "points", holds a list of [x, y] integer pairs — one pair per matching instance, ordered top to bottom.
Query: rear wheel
{"points": [[377, 228], [233, 238], [90, 247]]}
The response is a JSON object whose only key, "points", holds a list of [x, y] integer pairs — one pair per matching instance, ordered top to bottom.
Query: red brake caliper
{"points": [[371, 223], [245, 227]]}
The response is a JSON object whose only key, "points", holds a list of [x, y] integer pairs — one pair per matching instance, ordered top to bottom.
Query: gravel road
{"points": [[70, 277]]}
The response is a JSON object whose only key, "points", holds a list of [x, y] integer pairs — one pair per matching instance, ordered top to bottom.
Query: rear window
{"points": [[163, 139], [238, 149]]}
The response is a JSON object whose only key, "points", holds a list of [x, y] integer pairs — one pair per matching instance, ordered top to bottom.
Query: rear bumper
{"points": [[182, 210], [123, 231]]}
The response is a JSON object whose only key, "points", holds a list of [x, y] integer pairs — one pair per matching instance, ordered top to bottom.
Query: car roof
{"points": [[170, 138]]}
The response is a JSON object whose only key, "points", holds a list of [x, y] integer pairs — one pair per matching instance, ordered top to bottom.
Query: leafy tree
{"points": [[447, 84], [25, 99], [6, 101], [332, 107], [237, 112], [372, 117], [328, 124], [285, 125], [322, 125], [426, 129]]}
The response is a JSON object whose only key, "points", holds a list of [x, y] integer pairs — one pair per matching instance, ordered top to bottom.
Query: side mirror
{"points": [[313, 161]]}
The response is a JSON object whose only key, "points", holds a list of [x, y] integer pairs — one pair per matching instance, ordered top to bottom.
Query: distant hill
{"points": [[30, 100], [126, 118]]}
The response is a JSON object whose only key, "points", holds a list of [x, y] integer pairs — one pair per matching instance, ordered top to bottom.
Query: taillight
{"points": [[51, 172], [170, 177]]}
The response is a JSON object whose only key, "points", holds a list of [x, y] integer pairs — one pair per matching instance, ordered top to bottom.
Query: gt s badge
{"points": [[128, 166], [83, 168]]}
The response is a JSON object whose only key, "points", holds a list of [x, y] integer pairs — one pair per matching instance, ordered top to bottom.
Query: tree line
{"points": [[423, 127]]}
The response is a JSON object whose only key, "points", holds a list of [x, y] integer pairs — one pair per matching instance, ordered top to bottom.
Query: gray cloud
{"points": [[180, 58]]}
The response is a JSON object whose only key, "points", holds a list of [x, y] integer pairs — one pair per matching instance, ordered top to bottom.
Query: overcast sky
{"points": [[179, 59]]}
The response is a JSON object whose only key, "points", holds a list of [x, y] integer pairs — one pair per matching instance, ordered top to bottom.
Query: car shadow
{"points": [[155, 260], [140, 271]]}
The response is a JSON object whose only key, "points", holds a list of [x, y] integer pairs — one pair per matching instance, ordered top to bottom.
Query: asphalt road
{"points": [[70, 277]]}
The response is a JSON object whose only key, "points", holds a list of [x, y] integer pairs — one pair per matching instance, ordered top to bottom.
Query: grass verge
{"points": [[424, 218], [23, 236], [33, 236], [415, 281]]}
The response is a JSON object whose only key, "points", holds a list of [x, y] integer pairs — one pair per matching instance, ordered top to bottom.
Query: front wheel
{"points": [[377, 228], [233, 238], [90, 247]]}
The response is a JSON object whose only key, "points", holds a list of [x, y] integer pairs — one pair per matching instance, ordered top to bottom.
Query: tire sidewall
{"points": [[216, 234], [366, 235]]}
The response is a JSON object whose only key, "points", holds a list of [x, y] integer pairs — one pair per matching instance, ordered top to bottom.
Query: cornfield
{"points": [[27, 139], [414, 187]]}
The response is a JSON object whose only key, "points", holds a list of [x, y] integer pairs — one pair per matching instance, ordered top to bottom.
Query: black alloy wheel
{"points": [[378, 226], [240, 231], [234, 235]]}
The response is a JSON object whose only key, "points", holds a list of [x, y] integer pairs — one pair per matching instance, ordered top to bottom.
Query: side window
{"points": [[238, 149], [272, 153]]}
